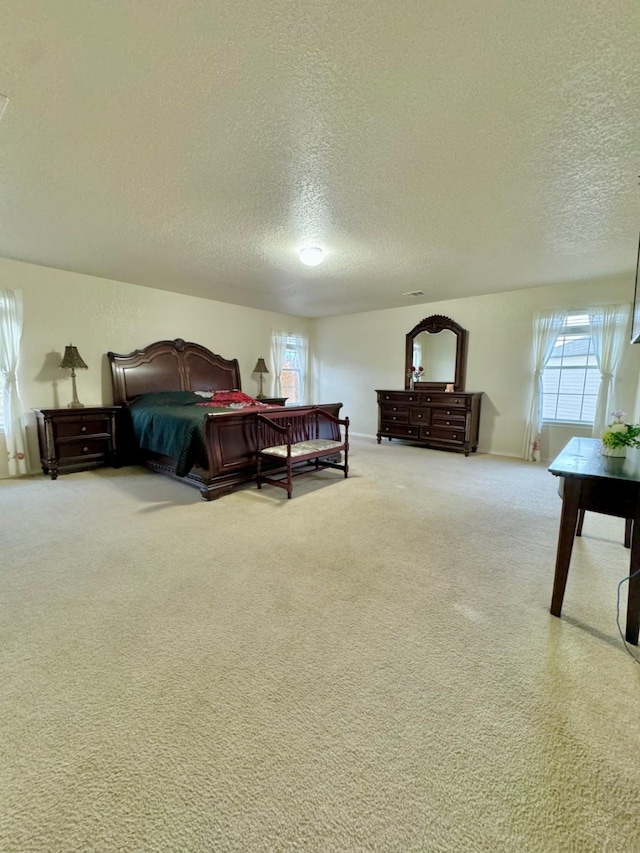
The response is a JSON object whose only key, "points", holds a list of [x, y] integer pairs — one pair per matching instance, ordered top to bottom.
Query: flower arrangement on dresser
{"points": [[415, 374], [619, 435]]}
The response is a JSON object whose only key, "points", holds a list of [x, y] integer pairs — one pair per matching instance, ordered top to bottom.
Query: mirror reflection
{"points": [[437, 354]]}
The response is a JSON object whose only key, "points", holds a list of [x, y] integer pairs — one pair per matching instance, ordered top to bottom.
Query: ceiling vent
{"points": [[414, 293]]}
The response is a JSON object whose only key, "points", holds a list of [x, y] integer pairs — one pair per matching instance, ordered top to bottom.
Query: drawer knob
{"points": [[428, 399], [448, 412], [393, 418], [448, 423], [83, 429], [455, 435], [85, 449]]}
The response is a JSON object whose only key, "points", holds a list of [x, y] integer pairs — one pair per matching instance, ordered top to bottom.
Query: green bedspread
{"points": [[172, 424]]}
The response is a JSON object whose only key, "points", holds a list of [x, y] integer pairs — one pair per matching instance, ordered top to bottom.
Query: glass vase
{"points": [[620, 452]]}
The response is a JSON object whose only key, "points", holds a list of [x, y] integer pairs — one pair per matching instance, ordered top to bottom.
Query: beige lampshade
{"points": [[72, 358], [260, 367]]}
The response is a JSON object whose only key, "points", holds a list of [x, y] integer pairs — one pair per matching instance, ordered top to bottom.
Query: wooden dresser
{"points": [[445, 421]]}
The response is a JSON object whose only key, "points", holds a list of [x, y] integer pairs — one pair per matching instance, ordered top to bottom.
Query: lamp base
{"points": [[261, 396], [75, 404]]}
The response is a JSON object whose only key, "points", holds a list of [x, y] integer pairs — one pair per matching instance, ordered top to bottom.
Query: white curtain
{"points": [[11, 320], [608, 326], [546, 329], [278, 346], [301, 361]]}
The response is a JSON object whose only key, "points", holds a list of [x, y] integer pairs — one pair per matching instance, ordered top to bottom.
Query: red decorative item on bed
{"points": [[229, 436]]}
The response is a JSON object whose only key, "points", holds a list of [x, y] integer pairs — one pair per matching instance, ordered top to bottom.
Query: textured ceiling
{"points": [[455, 148]]}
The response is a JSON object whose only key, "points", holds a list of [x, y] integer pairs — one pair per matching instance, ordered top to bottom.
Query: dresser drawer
{"points": [[397, 397], [449, 401], [397, 414], [421, 416], [449, 418], [83, 426], [400, 430], [453, 436], [81, 448]]}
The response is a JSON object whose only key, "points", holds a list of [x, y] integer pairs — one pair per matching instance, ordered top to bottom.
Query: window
{"points": [[290, 360], [571, 377]]}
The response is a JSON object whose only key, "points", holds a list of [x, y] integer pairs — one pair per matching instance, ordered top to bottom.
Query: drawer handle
{"points": [[428, 399], [395, 409], [448, 412], [419, 417], [393, 418], [83, 429], [455, 435], [85, 449]]}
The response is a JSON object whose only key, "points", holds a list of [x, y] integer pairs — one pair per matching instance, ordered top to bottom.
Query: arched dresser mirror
{"points": [[438, 345], [433, 410]]}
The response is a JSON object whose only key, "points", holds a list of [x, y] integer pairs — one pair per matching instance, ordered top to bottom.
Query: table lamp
{"points": [[73, 359], [260, 368]]}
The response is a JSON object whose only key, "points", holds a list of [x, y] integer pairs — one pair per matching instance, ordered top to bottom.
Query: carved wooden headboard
{"points": [[170, 366]]}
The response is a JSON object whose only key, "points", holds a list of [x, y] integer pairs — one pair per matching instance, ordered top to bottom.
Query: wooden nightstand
{"points": [[274, 401], [76, 439]]}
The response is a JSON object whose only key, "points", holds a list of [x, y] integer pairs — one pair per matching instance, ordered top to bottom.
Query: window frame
{"points": [[573, 329]]}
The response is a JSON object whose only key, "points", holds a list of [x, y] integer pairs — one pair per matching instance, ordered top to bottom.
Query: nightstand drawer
{"points": [[81, 426], [78, 447]]}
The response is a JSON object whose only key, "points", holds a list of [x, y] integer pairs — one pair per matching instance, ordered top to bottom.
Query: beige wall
{"points": [[98, 315], [359, 353]]}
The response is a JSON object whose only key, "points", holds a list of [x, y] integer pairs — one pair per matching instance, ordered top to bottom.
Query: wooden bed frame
{"points": [[230, 437]]}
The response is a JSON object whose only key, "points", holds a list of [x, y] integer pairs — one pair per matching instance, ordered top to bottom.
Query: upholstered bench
{"points": [[305, 436]]}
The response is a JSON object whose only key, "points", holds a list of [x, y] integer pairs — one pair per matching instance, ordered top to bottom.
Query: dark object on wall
{"points": [[635, 315]]}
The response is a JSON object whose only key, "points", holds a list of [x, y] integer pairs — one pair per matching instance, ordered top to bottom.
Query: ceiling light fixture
{"points": [[311, 256]]}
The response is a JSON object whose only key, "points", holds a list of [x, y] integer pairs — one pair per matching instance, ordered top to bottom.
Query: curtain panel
{"points": [[11, 323], [608, 326], [546, 330]]}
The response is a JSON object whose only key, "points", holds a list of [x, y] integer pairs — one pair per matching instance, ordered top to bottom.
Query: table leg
{"points": [[568, 523], [633, 601]]}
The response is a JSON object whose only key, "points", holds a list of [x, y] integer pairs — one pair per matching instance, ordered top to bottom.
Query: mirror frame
{"points": [[434, 324]]}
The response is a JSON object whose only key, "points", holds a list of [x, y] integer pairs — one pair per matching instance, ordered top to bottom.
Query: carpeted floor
{"points": [[370, 666]]}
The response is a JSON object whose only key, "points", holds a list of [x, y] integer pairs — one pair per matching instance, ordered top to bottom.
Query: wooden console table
{"points": [[604, 484]]}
